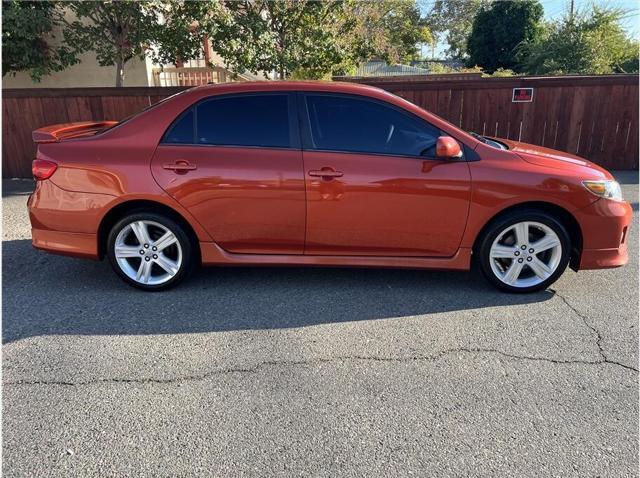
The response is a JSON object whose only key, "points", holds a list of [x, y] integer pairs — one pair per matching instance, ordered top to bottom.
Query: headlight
{"points": [[604, 189]]}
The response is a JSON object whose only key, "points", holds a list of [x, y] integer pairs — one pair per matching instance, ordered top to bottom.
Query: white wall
{"points": [[85, 73]]}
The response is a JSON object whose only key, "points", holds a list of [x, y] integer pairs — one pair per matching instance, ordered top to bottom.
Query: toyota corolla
{"points": [[318, 174]]}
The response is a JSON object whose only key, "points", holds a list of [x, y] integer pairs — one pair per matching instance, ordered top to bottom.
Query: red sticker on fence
{"points": [[522, 95]]}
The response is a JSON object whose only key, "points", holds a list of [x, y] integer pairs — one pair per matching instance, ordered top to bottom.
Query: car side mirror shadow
{"points": [[448, 148]]}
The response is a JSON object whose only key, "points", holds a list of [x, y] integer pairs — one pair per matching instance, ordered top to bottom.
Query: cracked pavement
{"points": [[323, 372]]}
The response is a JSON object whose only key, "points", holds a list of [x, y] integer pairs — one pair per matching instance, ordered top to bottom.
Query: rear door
{"points": [[235, 163]]}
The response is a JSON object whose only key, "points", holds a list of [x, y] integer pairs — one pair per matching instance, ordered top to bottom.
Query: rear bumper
{"points": [[65, 222], [605, 230], [74, 244]]}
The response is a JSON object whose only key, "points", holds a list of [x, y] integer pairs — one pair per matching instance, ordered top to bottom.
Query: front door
{"points": [[235, 163], [371, 187]]}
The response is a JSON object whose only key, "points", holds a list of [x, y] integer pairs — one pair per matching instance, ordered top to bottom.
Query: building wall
{"points": [[86, 73]]}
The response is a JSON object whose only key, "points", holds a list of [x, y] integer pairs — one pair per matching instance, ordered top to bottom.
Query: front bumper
{"points": [[605, 228]]}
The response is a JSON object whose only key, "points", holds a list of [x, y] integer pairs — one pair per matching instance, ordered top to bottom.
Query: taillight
{"points": [[43, 169]]}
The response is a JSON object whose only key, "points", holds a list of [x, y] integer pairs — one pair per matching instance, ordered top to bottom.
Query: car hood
{"points": [[552, 158]]}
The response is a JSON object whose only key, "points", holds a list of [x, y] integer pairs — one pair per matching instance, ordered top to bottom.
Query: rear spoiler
{"points": [[57, 132]]}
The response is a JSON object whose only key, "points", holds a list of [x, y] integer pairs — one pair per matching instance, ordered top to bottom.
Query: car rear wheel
{"points": [[150, 251], [524, 251]]}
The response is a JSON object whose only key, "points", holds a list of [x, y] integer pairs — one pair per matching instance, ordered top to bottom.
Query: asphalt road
{"points": [[323, 372]]}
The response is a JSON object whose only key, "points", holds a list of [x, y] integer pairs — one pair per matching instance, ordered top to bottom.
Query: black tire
{"points": [[498, 225], [186, 247]]}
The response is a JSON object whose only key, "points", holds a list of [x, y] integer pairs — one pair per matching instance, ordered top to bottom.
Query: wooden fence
{"points": [[24, 110], [595, 117]]}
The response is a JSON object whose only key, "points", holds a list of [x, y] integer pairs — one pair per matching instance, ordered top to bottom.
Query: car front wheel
{"points": [[149, 251], [524, 251]]}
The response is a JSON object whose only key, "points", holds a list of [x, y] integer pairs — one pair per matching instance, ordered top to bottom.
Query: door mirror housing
{"points": [[448, 148]]}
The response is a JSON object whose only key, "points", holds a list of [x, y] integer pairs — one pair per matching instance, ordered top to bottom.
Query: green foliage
{"points": [[452, 20], [120, 30], [390, 30], [28, 33], [500, 33], [263, 36], [312, 39], [593, 43], [502, 72]]}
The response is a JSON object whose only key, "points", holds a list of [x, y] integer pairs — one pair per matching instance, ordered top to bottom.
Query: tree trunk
{"points": [[119, 73]]}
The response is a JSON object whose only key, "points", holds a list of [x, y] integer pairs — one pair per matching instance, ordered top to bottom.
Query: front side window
{"points": [[252, 120], [341, 123]]}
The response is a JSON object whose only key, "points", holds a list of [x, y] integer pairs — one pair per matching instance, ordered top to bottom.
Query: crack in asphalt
{"points": [[599, 338], [426, 358], [274, 363]]}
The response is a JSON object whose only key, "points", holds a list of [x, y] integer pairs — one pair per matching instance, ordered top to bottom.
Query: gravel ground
{"points": [[323, 372]]}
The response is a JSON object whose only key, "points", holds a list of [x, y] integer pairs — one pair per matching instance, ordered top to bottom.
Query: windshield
{"points": [[489, 141]]}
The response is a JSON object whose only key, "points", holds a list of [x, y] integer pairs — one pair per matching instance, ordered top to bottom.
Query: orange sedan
{"points": [[321, 174]]}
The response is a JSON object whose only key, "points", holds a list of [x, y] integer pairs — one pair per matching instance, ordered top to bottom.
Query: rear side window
{"points": [[252, 120], [342, 123], [182, 131]]}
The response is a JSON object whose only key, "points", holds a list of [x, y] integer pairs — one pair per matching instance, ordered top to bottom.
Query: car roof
{"points": [[329, 86]]}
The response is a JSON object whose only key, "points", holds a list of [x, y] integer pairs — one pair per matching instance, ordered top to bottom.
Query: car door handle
{"points": [[180, 165], [325, 173]]}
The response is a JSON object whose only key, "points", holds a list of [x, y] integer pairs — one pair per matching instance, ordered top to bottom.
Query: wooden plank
{"points": [[455, 107]]}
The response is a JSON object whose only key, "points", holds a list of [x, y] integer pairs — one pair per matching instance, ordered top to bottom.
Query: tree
{"points": [[451, 21], [120, 30], [390, 30], [500, 33], [282, 36], [28, 37], [312, 39], [585, 43]]}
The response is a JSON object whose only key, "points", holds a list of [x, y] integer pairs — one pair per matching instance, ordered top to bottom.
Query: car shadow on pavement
{"points": [[51, 295]]}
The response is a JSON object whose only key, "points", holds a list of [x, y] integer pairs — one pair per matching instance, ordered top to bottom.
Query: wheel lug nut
{"points": [[146, 246], [523, 247], [154, 248], [141, 251], [531, 251], [517, 253], [155, 256], [529, 259], [521, 260]]}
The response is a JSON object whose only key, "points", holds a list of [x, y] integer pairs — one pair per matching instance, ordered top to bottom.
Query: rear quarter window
{"points": [[183, 130]]}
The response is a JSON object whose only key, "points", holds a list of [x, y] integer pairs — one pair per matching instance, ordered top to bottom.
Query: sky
{"points": [[555, 9]]}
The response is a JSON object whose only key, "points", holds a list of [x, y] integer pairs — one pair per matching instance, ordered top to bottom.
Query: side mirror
{"points": [[448, 148]]}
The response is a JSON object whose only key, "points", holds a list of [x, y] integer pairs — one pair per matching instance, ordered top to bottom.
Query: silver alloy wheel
{"points": [[148, 252], [525, 254]]}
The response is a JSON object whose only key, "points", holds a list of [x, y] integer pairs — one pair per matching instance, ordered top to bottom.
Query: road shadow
{"points": [[626, 177], [17, 187], [52, 295]]}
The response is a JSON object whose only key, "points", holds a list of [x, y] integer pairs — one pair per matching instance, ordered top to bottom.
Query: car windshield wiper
{"points": [[479, 137]]}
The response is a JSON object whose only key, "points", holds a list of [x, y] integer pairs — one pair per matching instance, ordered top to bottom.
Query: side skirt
{"points": [[212, 254]]}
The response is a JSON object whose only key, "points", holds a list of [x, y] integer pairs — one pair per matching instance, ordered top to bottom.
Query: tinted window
{"points": [[251, 120], [350, 124], [182, 130]]}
